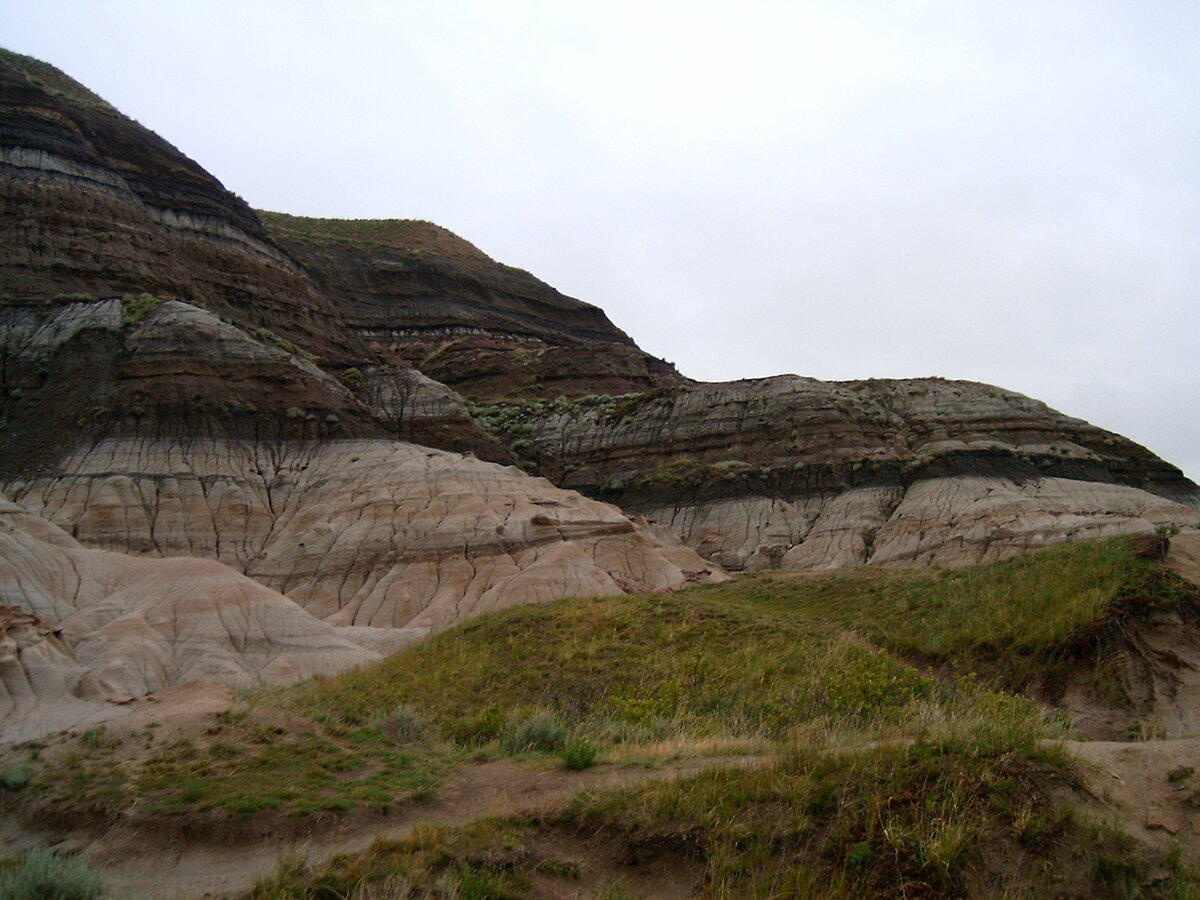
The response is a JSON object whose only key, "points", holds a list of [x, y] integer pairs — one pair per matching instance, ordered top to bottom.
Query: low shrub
{"points": [[404, 725], [540, 733], [578, 754], [15, 778], [44, 875]]}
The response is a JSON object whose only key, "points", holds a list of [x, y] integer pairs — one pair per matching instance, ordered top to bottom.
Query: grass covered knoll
{"points": [[416, 237], [1019, 622], [762, 654], [884, 781]]}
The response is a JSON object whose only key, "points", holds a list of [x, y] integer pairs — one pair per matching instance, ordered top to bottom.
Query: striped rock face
{"points": [[220, 428], [794, 472], [359, 532], [236, 563], [84, 633]]}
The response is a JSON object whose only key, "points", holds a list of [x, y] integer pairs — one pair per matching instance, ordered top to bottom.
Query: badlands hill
{"points": [[378, 424], [240, 449]]}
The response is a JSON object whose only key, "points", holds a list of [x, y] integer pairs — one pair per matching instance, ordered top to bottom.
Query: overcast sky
{"points": [[1006, 191]]}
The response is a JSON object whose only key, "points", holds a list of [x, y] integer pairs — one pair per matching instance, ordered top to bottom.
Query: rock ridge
{"points": [[748, 471]]}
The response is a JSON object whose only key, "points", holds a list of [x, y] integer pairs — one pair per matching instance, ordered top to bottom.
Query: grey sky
{"points": [[1005, 192]]}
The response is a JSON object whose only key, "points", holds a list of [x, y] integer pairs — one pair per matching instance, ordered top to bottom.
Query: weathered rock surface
{"points": [[96, 206], [421, 297], [170, 363], [78, 371], [415, 408], [795, 472], [359, 532], [85, 631]]}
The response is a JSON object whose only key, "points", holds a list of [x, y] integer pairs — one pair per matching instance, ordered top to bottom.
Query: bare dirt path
{"points": [[1153, 787], [149, 866]]}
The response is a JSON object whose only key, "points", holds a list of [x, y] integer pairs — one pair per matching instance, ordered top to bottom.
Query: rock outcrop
{"points": [[97, 206], [423, 298], [75, 371], [79, 371], [181, 376], [413, 407], [800, 473], [359, 532], [84, 631]]}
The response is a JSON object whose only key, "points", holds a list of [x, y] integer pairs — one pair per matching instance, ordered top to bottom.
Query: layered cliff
{"points": [[97, 206], [421, 297], [76, 371], [180, 375], [802, 473], [362, 532]]}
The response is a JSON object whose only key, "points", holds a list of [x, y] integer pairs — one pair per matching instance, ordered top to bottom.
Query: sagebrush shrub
{"points": [[45, 875]]}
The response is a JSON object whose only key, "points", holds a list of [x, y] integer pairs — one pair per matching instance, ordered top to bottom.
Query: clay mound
{"points": [[360, 532], [84, 629]]}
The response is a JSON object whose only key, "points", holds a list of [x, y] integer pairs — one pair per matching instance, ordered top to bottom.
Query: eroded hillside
{"points": [[769, 735]]}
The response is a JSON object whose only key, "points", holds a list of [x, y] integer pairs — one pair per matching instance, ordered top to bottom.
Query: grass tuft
{"points": [[404, 725], [539, 733], [578, 754], [45, 875]]}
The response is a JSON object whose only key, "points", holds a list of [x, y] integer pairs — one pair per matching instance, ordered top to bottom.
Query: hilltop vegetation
{"points": [[416, 237]]}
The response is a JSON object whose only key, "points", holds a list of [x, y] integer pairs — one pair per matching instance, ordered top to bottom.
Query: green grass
{"points": [[416, 238], [135, 307], [1013, 620], [762, 654], [766, 659], [242, 767], [977, 806], [952, 814], [481, 861], [42, 874]]}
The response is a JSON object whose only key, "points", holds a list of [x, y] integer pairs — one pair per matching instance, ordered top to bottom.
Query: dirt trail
{"points": [[1153, 787], [139, 863]]}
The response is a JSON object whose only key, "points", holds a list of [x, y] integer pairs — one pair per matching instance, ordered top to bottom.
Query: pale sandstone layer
{"points": [[935, 521], [359, 532], [83, 632]]}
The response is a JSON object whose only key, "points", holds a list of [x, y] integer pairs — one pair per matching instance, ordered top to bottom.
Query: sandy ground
{"points": [[1153, 787]]}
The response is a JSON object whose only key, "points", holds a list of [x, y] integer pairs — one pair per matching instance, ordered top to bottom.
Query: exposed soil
{"points": [[1152, 787], [194, 859]]}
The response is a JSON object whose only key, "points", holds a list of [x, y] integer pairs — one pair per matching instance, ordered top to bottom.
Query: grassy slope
{"points": [[415, 237], [761, 654], [954, 784]]}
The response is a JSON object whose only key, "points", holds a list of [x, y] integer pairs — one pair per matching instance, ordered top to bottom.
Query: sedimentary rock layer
{"points": [[95, 205], [421, 297], [146, 310], [73, 372], [798, 472], [361, 532], [81, 630]]}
